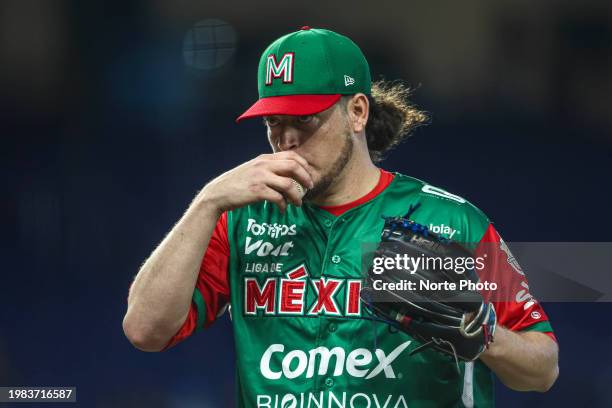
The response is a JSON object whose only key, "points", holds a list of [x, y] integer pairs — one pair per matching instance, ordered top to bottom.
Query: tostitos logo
{"points": [[271, 230], [276, 363]]}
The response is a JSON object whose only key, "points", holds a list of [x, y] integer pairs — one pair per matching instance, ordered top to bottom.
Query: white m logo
{"points": [[282, 69]]}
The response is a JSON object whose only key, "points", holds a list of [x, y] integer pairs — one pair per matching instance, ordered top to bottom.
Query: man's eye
{"points": [[305, 118], [271, 121]]}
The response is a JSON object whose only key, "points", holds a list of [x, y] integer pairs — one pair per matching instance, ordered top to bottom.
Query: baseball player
{"points": [[277, 239]]}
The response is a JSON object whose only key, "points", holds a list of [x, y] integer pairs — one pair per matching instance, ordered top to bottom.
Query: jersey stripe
{"points": [[198, 299], [468, 385]]}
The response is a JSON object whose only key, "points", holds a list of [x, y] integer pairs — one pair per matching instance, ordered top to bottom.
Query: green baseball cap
{"points": [[306, 72]]}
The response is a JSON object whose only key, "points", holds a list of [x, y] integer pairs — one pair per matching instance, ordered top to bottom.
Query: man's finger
{"points": [[291, 155], [292, 169], [286, 186], [275, 197]]}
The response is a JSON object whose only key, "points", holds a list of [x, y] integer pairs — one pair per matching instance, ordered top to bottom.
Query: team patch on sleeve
{"points": [[516, 308]]}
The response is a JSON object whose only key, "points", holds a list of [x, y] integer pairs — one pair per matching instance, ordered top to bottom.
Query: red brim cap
{"points": [[297, 105]]}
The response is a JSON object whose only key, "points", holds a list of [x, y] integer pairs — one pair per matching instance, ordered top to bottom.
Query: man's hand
{"points": [[267, 177], [160, 296]]}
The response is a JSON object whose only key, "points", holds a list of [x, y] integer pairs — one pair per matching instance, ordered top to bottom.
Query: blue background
{"points": [[107, 134]]}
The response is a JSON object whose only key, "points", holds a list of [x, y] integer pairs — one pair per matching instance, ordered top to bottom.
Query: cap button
{"points": [[305, 28]]}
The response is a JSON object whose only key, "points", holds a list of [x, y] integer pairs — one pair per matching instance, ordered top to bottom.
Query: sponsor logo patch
{"points": [[271, 230], [444, 230], [265, 248], [276, 363], [331, 400]]}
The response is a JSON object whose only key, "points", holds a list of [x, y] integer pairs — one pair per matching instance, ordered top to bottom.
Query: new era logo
{"points": [[348, 80]]}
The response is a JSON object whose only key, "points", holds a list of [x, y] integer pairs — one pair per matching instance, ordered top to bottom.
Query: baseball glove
{"points": [[454, 321]]}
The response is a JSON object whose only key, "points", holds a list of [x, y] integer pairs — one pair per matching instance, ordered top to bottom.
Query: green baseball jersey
{"points": [[302, 337]]}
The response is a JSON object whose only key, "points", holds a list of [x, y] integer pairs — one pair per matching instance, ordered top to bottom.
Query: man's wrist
{"points": [[205, 203], [495, 348]]}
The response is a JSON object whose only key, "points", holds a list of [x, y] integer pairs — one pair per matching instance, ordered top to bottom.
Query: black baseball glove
{"points": [[453, 320]]}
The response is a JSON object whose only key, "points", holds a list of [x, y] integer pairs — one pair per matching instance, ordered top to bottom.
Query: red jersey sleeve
{"points": [[211, 293], [516, 308]]}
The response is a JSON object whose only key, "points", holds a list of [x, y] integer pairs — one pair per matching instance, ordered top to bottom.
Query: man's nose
{"points": [[289, 139]]}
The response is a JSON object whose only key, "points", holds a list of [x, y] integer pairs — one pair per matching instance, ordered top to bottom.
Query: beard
{"points": [[334, 171]]}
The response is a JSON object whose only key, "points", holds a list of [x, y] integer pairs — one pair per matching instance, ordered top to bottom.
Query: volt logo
{"points": [[282, 69], [264, 248]]}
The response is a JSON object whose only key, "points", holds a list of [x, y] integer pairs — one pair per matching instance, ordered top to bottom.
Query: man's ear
{"points": [[358, 108]]}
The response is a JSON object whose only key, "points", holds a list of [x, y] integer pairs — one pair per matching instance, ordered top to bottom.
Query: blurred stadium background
{"points": [[113, 114]]}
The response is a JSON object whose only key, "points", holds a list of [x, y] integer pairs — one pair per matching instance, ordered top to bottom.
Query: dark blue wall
{"points": [[99, 165]]}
